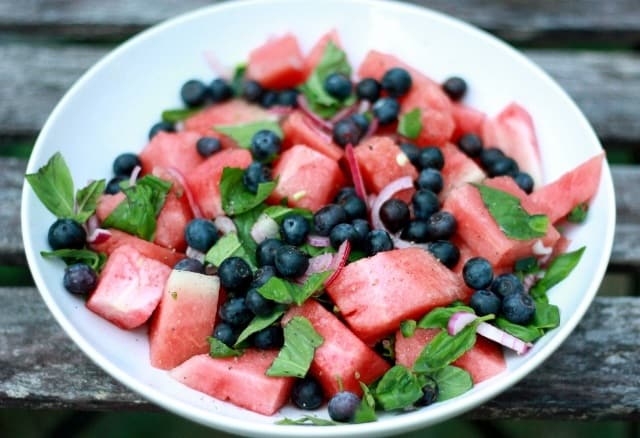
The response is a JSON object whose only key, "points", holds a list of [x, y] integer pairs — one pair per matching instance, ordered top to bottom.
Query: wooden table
{"points": [[586, 45]]}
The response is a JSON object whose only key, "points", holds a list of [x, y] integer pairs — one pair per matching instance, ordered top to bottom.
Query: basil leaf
{"points": [[334, 60], [237, 79], [178, 114], [410, 123], [244, 132], [53, 185], [87, 199], [236, 199], [278, 212], [579, 213], [513, 220], [244, 222], [227, 246], [316, 250], [356, 255], [95, 260], [527, 265], [558, 270], [314, 283], [285, 292], [547, 316], [439, 317], [258, 323], [408, 328], [524, 333], [300, 343], [217, 348], [444, 349], [452, 382], [397, 389], [366, 412], [307, 420]]}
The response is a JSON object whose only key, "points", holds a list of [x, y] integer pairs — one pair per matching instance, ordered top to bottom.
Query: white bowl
{"points": [[110, 109]]}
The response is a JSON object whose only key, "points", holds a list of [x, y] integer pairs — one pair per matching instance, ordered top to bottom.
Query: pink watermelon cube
{"points": [[315, 54], [278, 63], [231, 112], [468, 120], [437, 127], [298, 130], [171, 149], [381, 161], [458, 169], [307, 178], [151, 250], [129, 288], [375, 294], [184, 319], [342, 357], [239, 380]]}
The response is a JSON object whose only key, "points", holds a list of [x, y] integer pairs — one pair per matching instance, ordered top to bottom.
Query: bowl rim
{"points": [[398, 424]]}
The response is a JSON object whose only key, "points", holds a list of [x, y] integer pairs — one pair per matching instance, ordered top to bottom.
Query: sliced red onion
{"points": [[215, 65], [364, 106], [306, 109], [280, 110], [344, 113], [179, 126], [373, 127], [317, 130], [356, 174], [134, 175], [385, 194], [191, 200], [225, 225], [264, 228], [99, 235], [318, 241], [399, 243], [539, 249], [195, 254], [339, 261], [319, 263], [530, 280], [460, 320]]}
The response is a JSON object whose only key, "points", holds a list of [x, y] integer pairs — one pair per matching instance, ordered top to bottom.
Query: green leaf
{"points": [[237, 79], [178, 114], [410, 123], [244, 132], [53, 185], [87, 199], [236, 199], [278, 212], [579, 213], [512, 219], [244, 222], [227, 246], [315, 250], [356, 255], [95, 260], [527, 265], [557, 271], [314, 283], [286, 292], [547, 316], [439, 317], [258, 323], [407, 328], [525, 333], [300, 343], [218, 348], [444, 349], [452, 382], [397, 389], [366, 412], [307, 420]]}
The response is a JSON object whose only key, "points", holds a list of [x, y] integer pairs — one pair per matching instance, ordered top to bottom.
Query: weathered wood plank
{"points": [[535, 21], [606, 85], [11, 178], [592, 376]]}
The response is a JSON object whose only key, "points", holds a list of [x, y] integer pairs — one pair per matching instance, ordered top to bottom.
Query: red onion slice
{"points": [[215, 65], [364, 106], [306, 109], [280, 110], [344, 113], [373, 127], [318, 131], [354, 168], [134, 176], [385, 194], [191, 200], [225, 225], [264, 228], [98, 235], [318, 241], [195, 254], [339, 261], [319, 263], [460, 320]]}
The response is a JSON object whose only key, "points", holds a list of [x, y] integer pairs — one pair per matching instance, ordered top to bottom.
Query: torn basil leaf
{"points": [[300, 343]]}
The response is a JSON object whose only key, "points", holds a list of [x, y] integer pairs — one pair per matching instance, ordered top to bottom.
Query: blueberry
{"points": [[396, 82], [338, 85], [455, 87], [368, 89], [220, 90], [252, 91], [194, 93], [269, 98], [288, 98], [386, 110], [361, 122], [161, 126], [346, 132], [470, 144], [265, 145], [207, 146], [412, 152], [488, 156], [431, 158], [125, 163], [503, 166], [254, 175], [430, 179], [524, 181], [113, 186], [344, 193], [425, 203], [355, 207], [394, 214], [328, 217], [441, 225], [362, 228], [294, 229], [416, 231], [342, 232], [66, 234], [201, 234], [378, 241], [266, 252], [446, 252], [291, 262], [190, 265], [477, 273], [235, 274], [263, 274], [79, 279], [506, 284], [485, 302], [258, 304], [518, 308], [235, 312], [226, 333], [268, 338], [307, 393], [429, 393], [343, 406]]}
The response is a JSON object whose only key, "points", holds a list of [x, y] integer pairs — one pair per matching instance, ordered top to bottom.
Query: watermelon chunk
{"points": [[315, 54], [278, 63], [231, 112], [468, 120], [437, 127], [298, 130], [171, 149], [382, 161], [458, 169], [307, 178], [204, 180], [579, 185], [119, 238], [129, 288], [375, 294], [185, 317], [342, 357], [483, 361], [239, 380]]}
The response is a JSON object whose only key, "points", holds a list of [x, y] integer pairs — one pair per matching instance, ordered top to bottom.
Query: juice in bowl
{"points": [[333, 229]]}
